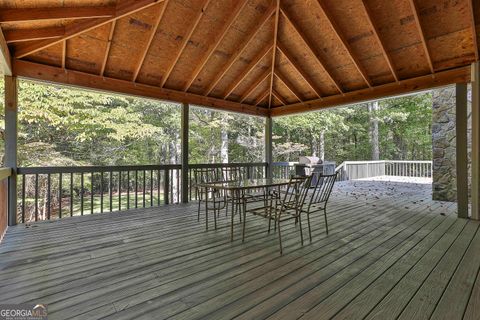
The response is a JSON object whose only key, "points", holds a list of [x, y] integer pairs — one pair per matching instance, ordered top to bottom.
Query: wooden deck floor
{"points": [[391, 254]]}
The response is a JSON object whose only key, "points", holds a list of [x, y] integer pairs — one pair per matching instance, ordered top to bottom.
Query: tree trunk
{"points": [[372, 108], [224, 146], [321, 146]]}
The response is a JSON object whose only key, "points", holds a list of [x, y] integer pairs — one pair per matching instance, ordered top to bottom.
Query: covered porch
{"points": [[392, 253]]}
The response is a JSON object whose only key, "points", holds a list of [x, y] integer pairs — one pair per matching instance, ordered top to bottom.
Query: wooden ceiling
{"points": [[265, 57]]}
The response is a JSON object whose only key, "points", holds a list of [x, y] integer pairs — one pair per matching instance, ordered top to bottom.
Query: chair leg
{"points": [[198, 212], [244, 221], [326, 223], [269, 224], [309, 228], [301, 231], [280, 238]]}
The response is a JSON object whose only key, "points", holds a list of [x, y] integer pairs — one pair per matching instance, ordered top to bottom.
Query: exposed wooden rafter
{"points": [[414, 7], [123, 9], [162, 9], [55, 13], [261, 22], [473, 26], [376, 33], [33, 34], [185, 40], [344, 42], [214, 45], [309, 46], [107, 49], [274, 53], [64, 54], [5, 57], [255, 61], [46, 73], [302, 73], [458, 75], [255, 85], [288, 85], [262, 97], [279, 97]]}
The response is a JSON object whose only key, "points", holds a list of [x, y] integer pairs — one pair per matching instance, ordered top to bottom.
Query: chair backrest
{"points": [[232, 173], [322, 187], [296, 191]]}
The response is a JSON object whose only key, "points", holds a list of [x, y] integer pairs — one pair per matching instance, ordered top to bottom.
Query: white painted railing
{"points": [[352, 170]]}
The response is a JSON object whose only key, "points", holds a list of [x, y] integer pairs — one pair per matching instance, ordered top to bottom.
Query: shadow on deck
{"points": [[391, 252]]}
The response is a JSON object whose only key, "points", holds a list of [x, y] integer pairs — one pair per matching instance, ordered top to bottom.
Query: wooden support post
{"points": [[11, 110], [184, 138], [475, 140], [269, 146], [461, 149]]}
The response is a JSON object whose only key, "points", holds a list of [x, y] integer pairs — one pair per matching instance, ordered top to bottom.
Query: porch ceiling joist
{"points": [[123, 9], [55, 13], [33, 34], [5, 60], [31, 70], [458, 75]]}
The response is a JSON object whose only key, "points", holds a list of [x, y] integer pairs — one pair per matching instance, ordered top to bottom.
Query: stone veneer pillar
{"points": [[444, 144]]}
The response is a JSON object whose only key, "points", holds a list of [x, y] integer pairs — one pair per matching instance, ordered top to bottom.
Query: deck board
{"points": [[391, 252]]}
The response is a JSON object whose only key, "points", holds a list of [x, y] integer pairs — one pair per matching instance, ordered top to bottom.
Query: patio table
{"points": [[238, 190]]}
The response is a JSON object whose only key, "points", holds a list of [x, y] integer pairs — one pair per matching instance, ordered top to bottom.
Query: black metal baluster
{"points": [[178, 186], [60, 187], [158, 187], [166, 187], [136, 188], [151, 188], [143, 189], [49, 190], [82, 190], [119, 190], [128, 190], [111, 191], [101, 192], [91, 193], [71, 194], [36, 197], [23, 198]]}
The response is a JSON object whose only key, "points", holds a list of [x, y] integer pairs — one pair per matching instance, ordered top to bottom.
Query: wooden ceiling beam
{"points": [[414, 7], [123, 9], [55, 13], [258, 26], [473, 26], [376, 33], [33, 34], [150, 39], [185, 41], [344, 42], [214, 45], [309, 46], [107, 49], [274, 52], [64, 54], [5, 57], [255, 61], [32, 70], [304, 76], [443, 78], [254, 85], [288, 85], [262, 97], [279, 97]]}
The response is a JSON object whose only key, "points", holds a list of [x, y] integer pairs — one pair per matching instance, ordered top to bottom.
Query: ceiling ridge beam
{"points": [[414, 8], [123, 9], [55, 13], [262, 21], [474, 28], [376, 33], [33, 34], [150, 40], [185, 41], [344, 42], [309, 46], [107, 49], [211, 49], [274, 52], [255, 61], [32, 70], [304, 76], [254, 85], [288, 85], [407, 86]]}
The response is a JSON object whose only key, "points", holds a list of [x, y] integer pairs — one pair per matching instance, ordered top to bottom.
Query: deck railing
{"points": [[352, 170], [5, 174]]}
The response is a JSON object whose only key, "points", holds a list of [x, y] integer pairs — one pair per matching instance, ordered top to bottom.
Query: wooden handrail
{"points": [[5, 172]]}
